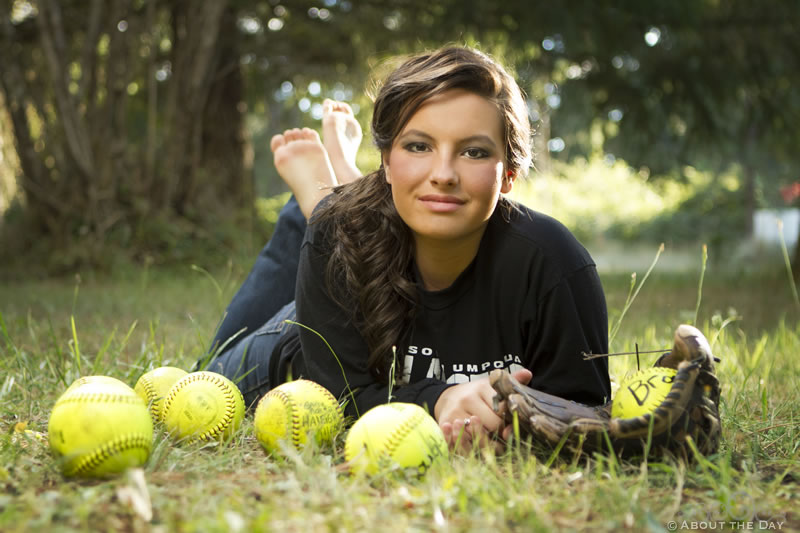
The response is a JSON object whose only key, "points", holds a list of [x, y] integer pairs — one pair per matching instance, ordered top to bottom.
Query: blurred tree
{"points": [[122, 120]]}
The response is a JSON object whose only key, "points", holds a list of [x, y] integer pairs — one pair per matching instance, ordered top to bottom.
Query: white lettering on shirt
{"points": [[408, 362], [435, 370], [459, 372], [462, 373], [462, 377]]}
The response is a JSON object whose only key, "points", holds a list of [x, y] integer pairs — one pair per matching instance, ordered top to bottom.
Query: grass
{"points": [[53, 331]]}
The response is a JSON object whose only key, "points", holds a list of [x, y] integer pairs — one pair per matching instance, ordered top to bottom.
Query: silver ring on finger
{"points": [[466, 422]]}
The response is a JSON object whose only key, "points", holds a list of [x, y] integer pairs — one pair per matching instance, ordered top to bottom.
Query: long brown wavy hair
{"points": [[369, 271]]}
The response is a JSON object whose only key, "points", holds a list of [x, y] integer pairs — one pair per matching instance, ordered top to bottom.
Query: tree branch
{"points": [[89, 54], [152, 99]]}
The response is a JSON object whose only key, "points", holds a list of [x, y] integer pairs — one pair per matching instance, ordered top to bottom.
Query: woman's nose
{"points": [[444, 172]]}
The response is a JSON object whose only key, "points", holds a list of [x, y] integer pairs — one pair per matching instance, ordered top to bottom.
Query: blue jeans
{"points": [[254, 320]]}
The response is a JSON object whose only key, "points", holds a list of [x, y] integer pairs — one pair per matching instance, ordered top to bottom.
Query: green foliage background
{"points": [[662, 90]]}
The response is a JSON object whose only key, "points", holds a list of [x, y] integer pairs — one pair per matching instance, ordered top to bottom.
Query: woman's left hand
{"points": [[466, 415], [464, 434]]}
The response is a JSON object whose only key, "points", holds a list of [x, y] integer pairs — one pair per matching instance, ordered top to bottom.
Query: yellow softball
{"points": [[96, 379], [154, 385], [642, 392], [203, 406], [292, 411], [100, 428], [395, 434]]}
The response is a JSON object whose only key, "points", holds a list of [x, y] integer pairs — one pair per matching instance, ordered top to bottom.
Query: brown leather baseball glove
{"points": [[689, 411]]}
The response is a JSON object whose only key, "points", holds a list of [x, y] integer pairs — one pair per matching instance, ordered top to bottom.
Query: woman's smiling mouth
{"points": [[441, 203]]}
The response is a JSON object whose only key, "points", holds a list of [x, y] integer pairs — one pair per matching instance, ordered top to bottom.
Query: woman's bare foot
{"points": [[341, 135], [303, 164]]}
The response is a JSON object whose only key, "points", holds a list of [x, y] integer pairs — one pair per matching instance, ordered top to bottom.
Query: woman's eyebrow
{"points": [[417, 133], [472, 138], [479, 138]]}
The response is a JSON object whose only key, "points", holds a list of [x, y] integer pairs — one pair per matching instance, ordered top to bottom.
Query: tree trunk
{"points": [[195, 65], [223, 170], [36, 181]]}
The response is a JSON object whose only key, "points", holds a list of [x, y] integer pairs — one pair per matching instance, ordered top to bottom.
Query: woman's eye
{"points": [[416, 147], [476, 153]]}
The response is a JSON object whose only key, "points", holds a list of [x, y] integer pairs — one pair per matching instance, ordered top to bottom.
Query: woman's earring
{"points": [[508, 181]]}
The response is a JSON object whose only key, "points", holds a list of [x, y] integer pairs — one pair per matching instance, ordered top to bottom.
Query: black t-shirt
{"points": [[531, 298]]}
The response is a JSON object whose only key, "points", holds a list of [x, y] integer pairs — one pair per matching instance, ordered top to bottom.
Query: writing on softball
{"points": [[640, 388], [318, 415]]}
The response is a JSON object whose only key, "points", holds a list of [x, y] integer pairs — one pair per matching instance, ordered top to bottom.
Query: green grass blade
{"points": [[788, 264], [700, 285], [217, 286], [75, 292], [631, 298], [721, 328], [130, 332], [6, 336], [76, 349], [102, 351], [212, 354], [61, 357], [54, 369], [391, 372], [344, 375]]}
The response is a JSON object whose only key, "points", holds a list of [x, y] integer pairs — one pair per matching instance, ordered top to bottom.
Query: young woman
{"points": [[421, 276]]}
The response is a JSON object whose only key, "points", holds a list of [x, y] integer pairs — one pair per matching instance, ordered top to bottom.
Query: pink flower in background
{"points": [[790, 192]]}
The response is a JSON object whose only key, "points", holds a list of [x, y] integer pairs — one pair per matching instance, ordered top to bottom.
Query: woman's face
{"points": [[446, 167]]}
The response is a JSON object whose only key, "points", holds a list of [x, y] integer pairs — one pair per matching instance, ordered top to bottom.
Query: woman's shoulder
{"points": [[538, 236]]}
